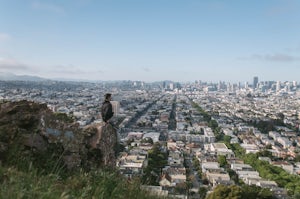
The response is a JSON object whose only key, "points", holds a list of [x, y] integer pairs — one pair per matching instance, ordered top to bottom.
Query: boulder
{"points": [[36, 131]]}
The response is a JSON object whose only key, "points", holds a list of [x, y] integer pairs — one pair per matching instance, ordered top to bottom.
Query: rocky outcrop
{"points": [[29, 129]]}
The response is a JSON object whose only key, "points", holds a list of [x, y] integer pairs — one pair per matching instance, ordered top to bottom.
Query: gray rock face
{"points": [[35, 130], [104, 139], [107, 144]]}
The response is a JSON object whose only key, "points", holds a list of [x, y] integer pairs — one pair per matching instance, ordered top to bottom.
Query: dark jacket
{"points": [[106, 111]]}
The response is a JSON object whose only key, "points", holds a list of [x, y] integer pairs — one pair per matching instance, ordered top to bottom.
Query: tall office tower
{"points": [[200, 82], [255, 82], [294, 83], [246, 85], [171, 86], [219, 86], [278, 86], [229, 87], [288, 87], [116, 107]]}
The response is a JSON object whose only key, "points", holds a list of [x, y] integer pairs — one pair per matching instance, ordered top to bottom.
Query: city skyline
{"points": [[151, 40]]}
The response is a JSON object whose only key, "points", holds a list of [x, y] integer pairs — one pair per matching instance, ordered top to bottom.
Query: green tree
{"points": [[213, 124], [226, 139], [147, 140], [237, 149], [265, 153], [297, 158], [157, 159], [222, 160], [196, 163], [233, 176], [202, 192], [226, 192], [237, 192], [254, 192], [296, 196]]}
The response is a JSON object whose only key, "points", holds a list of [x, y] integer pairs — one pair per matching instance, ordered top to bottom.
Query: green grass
{"points": [[44, 177], [15, 184]]}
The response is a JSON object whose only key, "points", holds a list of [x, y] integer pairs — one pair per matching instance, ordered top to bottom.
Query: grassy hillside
{"points": [[45, 155], [15, 183]]}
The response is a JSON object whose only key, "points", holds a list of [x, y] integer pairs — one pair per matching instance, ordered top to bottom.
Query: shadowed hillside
{"points": [[28, 129], [46, 155]]}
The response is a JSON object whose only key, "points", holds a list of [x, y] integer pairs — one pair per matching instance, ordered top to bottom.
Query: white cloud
{"points": [[47, 7], [4, 37], [294, 49], [277, 57], [12, 65], [69, 70], [73, 72]]}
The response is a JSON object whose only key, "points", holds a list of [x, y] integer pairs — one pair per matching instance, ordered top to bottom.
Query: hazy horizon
{"points": [[151, 41]]}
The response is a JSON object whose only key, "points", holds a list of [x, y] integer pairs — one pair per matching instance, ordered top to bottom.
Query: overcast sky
{"points": [[150, 40]]}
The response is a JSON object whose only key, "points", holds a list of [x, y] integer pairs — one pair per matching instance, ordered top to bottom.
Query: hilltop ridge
{"points": [[33, 130], [47, 155]]}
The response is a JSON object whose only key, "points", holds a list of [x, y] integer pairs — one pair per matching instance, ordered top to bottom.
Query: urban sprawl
{"points": [[184, 139]]}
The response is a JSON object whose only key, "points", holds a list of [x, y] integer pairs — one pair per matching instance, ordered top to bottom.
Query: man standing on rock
{"points": [[106, 109], [108, 135]]}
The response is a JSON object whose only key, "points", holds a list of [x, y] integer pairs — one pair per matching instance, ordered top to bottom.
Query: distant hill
{"points": [[13, 77]]}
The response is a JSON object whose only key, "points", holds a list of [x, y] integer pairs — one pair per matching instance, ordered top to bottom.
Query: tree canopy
{"points": [[157, 159], [239, 192]]}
